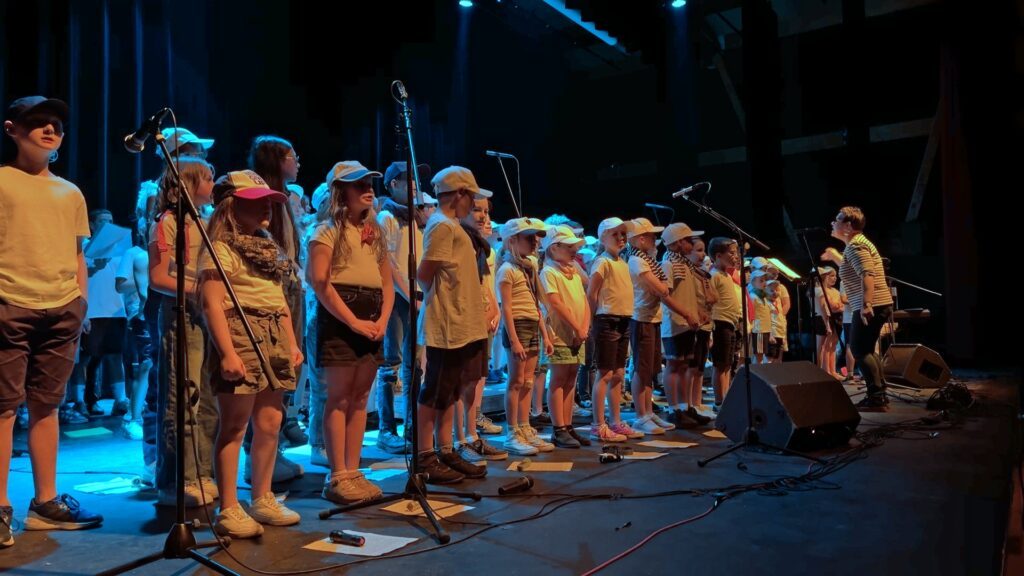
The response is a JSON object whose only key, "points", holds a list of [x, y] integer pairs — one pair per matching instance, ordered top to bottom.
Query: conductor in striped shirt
{"points": [[861, 272]]}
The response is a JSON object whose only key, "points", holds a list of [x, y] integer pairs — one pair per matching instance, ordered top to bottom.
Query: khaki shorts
{"points": [[276, 344]]}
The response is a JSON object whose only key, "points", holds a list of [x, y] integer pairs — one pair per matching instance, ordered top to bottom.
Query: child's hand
{"points": [[704, 318], [382, 327], [365, 328], [549, 348], [518, 351], [297, 357], [231, 367]]}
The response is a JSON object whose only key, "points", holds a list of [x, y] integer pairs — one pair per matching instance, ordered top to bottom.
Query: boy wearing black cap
{"points": [[43, 290]]}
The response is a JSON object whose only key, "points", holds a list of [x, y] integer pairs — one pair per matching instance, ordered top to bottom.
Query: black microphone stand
{"points": [[751, 438], [416, 486], [181, 541]]}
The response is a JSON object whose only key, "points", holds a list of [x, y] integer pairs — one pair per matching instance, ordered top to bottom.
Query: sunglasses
{"points": [[36, 121]]}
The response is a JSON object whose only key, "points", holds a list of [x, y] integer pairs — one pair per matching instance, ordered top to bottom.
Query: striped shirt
{"points": [[860, 258]]}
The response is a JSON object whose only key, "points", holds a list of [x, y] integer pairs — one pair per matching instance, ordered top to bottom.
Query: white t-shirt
{"points": [[41, 220], [163, 234], [396, 236], [361, 268], [570, 289], [253, 291], [616, 295], [130, 296], [104, 301], [524, 303], [646, 304], [452, 311], [779, 323]]}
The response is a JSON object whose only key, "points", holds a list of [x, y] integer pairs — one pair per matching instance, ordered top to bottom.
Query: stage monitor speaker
{"points": [[915, 365], [796, 405]]}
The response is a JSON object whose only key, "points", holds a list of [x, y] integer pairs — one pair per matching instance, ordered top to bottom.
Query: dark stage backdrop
{"points": [[594, 141]]}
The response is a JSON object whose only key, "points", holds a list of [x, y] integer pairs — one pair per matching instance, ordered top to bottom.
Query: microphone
{"points": [[401, 90], [136, 141], [500, 154], [698, 187], [657, 206], [811, 230], [518, 485]]}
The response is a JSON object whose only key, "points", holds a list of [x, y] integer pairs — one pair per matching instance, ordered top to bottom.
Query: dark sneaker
{"points": [[495, 377], [878, 403], [120, 408], [94, 410], [68, 416], [697, 417], [540, 420], [682, 420], [293, 434], [561, 438], [583, 440], [389, 442], [487, 451], [468, 469], [437, 472], [61, 513], [6, 532]]}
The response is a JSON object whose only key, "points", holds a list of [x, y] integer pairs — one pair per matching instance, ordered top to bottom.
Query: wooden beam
{"points": [[730, 89], [925, 171]]}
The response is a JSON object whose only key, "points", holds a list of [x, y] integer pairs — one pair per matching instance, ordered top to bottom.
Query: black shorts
{"points": [[835, 320], [528, 333], [610, 335], [106, 336], [645, 339], [759, 343], [337, 344], [138, 346], [680, 346], [701, 347], [776, 349], [724, 350], [449, 371]]}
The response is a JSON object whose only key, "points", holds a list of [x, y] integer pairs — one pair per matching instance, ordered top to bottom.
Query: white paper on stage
{"points": [[666, 444], [644, 455], [440, 508], [376, 545]]}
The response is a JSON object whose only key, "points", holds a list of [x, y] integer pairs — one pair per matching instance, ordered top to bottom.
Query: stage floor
{"points": [[915, 505]]}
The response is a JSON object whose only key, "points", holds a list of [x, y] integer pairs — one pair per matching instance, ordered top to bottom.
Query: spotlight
{"points": [[466, 3], [678, 3]]}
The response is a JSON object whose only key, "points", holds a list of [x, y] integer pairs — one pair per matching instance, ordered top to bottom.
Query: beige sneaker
{"points": [[529, 433], [209, 487], [372, 489], [345, 490], [193, 496], [268, 510], [234, 522]]}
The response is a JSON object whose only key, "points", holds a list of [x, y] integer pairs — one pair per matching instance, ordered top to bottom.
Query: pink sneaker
{"points": [[625, 430], [603, 433]]}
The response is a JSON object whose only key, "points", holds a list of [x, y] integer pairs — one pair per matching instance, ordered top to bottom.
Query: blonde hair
{"points": [[192, 170], [335, 213], [510, 253]]}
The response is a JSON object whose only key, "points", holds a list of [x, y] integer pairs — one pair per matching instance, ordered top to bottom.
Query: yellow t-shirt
{"points": [[42, 219], [361, 268], [570, 290], [253, 291], [616, 295], [524, 304]]}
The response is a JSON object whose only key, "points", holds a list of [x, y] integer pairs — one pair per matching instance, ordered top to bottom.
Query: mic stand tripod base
{"points": [[751, 440], [415, 490], [180, 545]]}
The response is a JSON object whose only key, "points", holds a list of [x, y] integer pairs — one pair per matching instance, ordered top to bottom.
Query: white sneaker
{"points": [[705, 410], [661, 423], [485, 425], [647, 426], [131, 429], [530, 435], [517, 444], [467, 453], [318, 457], [209, 487], [193, 496], [268, 510], [234, 522]]}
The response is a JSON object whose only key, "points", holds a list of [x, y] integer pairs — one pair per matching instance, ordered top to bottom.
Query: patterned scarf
{"points": [[262, 254], [680, 265], [658, 272]]}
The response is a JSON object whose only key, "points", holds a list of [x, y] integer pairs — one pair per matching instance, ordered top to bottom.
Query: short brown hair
{"points": [[853, 215]]}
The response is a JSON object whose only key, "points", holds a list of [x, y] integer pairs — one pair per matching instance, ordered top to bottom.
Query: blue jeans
{"points": [[396, 342]]}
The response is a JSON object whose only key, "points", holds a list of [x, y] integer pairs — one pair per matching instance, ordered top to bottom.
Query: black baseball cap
{"points": [[37, 104]]}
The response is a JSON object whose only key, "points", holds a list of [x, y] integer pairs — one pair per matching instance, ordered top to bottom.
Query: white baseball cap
{"points": [[174, 138], [349, 171], [457, 178], [609, 224], [520, 225], [638, 226], [677, 231], [561, 234]]}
